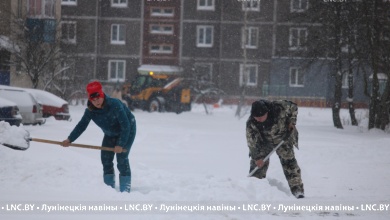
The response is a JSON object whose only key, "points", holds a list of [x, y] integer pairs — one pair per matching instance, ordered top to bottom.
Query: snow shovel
{"points": [[14, 137], [26, 145], [74, 145], [266, 158]]}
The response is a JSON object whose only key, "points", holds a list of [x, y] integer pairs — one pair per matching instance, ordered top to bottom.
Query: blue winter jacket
{"points": [[115, 119]]}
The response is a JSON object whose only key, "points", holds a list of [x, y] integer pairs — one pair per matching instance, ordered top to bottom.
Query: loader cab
{"points": [[143, 82]]}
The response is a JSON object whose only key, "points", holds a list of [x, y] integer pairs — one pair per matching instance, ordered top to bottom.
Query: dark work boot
{"points": [[298, 191], [299, 195]]}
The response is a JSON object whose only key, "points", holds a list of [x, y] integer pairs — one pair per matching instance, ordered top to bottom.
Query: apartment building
{"points": [[103, 37], [161, 37], [115, 39], [230, 43], [263, 44]]}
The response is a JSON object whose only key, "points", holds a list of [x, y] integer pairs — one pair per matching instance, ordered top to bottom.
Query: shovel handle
{"points": [[75, 145], [266, 158]]}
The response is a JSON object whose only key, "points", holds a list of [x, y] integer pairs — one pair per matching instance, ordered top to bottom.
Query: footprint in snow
{"points": [[279, 185]]}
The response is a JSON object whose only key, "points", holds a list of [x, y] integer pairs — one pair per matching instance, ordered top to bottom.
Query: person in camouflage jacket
{"points": [[269, 124]]}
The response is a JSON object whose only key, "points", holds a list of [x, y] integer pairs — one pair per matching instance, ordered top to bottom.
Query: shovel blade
{"points": [[14, 137], [16, 147]]}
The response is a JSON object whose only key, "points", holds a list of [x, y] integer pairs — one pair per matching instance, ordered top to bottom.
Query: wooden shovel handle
{"points": [[75, 145]]}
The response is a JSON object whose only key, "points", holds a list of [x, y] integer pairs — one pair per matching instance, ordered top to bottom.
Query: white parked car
{"points": [[29, 107]]}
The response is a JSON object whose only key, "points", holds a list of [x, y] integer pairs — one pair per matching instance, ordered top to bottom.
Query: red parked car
{"points": [[52, 104]]}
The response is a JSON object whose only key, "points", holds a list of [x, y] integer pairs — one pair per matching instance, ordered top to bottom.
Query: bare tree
{"points": [[340, 22], [365, 44], [331, 45], [37, 46], [374, 49], [39, 50], [38, 55], [244, 70], [64, 80], [203, 90]]}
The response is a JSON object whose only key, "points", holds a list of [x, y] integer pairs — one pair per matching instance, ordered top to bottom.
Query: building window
{"points": [[69, 2], [119, 3], [206, 5], [251, 5], [299, 5], [41, 8], [19, 12], [162, 12], [68, 29], [161, 29], [41, 30], [118, 34], [385, 34], [204, 36], [250, 37], [297, 39], [347, 39], [161, 48], [5, 57], [19, 65], [116, 70], [203, 71], [248, 75], [296, 77], [344, 80]]}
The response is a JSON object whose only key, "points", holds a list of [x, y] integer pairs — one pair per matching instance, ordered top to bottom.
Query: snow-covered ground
{"points": [[192, 161]]}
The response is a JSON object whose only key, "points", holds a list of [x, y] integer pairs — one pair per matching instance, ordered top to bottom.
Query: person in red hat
{"points": [[119, 127]]}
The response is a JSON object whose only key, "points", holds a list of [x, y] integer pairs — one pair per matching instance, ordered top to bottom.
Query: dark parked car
{"points": [[52, 104], [29, 107], [9, 112]]}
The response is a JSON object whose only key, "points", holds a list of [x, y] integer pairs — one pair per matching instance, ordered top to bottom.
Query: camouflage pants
{"points": [[290, 167]]}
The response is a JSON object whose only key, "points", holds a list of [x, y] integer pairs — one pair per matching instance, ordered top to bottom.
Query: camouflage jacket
{"points": [[263, 136]]}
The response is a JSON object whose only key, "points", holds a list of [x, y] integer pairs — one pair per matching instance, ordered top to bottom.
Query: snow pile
{"points": [[13, 135]]}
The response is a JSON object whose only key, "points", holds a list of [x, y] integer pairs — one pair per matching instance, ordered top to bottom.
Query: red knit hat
{"points": [[95, 90]]}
